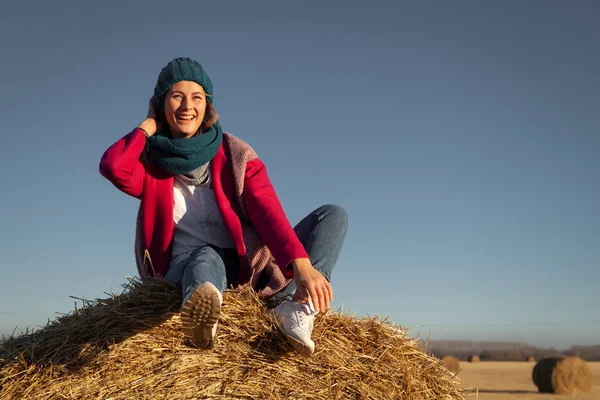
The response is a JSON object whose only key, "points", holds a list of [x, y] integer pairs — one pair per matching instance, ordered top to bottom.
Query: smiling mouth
{"points": [[185, 118]]}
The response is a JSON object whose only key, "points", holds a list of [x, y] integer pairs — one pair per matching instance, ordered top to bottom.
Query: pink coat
{"points": [[251, 211]]}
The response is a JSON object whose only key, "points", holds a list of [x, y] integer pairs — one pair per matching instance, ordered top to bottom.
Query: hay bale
{"points": [[131, 346], [474, 359], [531, 359], [451, 363], [563, 375]]}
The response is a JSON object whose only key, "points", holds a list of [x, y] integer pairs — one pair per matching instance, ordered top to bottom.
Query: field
{"points": [[512, 380]]}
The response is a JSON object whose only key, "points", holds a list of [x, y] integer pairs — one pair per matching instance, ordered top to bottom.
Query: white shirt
{"points": [[198, 221]]}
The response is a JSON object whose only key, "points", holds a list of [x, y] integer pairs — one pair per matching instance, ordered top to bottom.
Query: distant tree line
{"points": [[521, 353]]}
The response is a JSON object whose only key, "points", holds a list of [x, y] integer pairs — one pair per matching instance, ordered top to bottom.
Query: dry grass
{"points": [[130, 346], [511, 380]]}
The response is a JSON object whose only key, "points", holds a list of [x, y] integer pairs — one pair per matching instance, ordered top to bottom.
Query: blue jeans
{"points": [[321, 232]]}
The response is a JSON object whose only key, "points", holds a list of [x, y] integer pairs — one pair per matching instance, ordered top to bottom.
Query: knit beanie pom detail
{"points": [[180, 69]]}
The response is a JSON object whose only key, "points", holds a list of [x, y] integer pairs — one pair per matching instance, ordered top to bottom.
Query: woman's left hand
{"points": [[311, 285]]}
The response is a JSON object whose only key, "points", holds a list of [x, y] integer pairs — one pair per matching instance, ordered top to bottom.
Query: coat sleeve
{"points": [[121, 163], [269, 219]]}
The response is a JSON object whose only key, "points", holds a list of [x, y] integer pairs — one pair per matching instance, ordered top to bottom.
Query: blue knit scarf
{"points": [[180, 156]]}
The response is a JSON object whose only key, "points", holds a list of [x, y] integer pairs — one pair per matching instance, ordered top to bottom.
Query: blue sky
{"points": [[463, 139]]}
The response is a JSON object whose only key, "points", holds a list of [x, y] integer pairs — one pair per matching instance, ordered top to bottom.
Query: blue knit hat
{"points": [[180, 69]]}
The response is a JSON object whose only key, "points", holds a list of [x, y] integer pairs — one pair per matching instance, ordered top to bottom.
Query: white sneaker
{"points": [[200, 315], [296, 320]]}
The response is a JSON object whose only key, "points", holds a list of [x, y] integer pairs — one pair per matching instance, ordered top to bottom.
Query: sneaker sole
{"points": [[199, 315], [296, 344], [299, 346]]}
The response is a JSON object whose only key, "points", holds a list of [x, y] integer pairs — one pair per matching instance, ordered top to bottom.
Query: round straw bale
{"points": [[131, 346], [474, 359], [531, 359], [451, 363], [563, 375]]}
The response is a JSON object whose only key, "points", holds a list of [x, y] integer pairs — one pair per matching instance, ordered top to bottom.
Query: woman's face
{"points": [[185, 104]]}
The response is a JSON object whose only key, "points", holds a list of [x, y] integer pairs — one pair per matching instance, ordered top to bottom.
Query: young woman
{"points": [[209, 217]]}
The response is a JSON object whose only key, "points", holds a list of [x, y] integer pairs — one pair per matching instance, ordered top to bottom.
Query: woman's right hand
{"points": [[150, 124]]}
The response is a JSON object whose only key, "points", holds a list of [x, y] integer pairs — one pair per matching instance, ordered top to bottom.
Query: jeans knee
{"points": [[336, 213]]}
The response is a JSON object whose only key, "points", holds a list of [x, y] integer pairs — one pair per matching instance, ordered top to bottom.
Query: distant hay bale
{"points": [[130, 346], [474, 359], [531, 359], [451, 363], [563, 375]]}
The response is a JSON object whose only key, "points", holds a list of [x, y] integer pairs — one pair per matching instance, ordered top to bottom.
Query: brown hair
{"points": [[210, 117]]}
